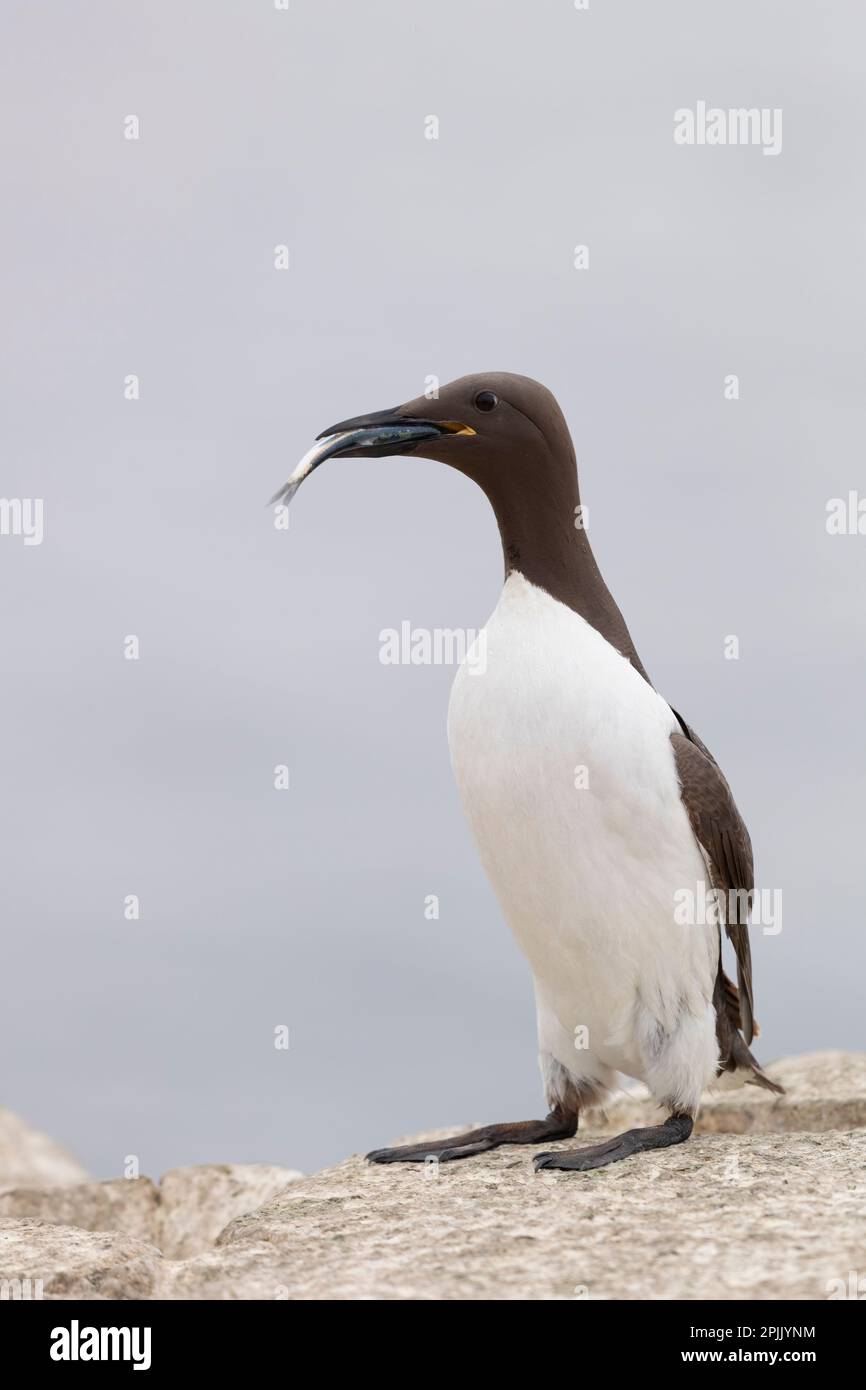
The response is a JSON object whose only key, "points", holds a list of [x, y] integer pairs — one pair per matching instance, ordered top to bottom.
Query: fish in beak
{"points": [[368, 436]]}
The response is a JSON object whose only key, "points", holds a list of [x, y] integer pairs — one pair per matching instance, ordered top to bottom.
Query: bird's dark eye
{"points": [[486, 400]]}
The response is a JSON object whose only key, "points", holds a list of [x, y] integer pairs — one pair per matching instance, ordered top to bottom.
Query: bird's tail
{"points": [[735, 1053], [744, 1060]]}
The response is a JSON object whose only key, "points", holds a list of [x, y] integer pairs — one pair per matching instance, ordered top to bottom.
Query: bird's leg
{"points": [[561, 1123], [675, 1130]]}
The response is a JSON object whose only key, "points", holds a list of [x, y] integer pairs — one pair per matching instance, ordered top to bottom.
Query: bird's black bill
{"points": [[389, 432], [367, 436]]}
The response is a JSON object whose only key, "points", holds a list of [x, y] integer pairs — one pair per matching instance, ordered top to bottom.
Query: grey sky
{"points": [[409, 257]]}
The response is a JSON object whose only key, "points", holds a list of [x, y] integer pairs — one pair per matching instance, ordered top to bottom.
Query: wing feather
{"points": [[721, 831]]}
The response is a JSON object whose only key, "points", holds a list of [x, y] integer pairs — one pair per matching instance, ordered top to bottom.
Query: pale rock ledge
{"points": [[767, 1200]]}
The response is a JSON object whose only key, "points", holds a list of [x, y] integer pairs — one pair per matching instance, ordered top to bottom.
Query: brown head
{"points": [[508, 434]]}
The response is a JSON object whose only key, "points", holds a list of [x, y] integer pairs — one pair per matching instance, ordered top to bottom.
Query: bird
{"points": [[594, 806]]}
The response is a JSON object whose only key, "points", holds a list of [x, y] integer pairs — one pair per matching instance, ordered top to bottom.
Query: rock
{"points": [[823, 1091], [28, 1157], [766, 1201], [197, 1202], [129, 1206], [183, 1216], [755, 1216], [71, 1263], [254, 1270]]}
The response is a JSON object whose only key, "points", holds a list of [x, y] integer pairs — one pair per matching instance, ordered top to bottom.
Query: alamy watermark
{"points": [[712, 125], [22, 516], [846, 516], [437, 646], [704, 906], [853, 1287], [20, 1290], [77, 1343]]}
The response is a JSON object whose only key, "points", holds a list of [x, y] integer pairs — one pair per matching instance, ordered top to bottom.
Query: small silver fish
{"points": [[384, 436]]}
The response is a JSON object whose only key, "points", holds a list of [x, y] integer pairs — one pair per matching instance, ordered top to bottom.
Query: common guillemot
{"points": [[586, 870]]}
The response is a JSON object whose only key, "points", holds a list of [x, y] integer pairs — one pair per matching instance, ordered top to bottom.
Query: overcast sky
{"points": [[409, 257]]}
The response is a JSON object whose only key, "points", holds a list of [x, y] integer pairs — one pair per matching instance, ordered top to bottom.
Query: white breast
{"points": [[562, 756]]}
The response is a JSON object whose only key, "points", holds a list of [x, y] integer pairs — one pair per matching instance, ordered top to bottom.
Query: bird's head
{"points": [[504, 431]]}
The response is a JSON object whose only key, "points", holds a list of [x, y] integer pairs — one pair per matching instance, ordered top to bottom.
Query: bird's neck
{"points": [[546, 541]]}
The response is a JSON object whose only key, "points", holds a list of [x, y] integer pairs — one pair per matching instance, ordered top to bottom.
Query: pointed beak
{"points": [[368, 436]]}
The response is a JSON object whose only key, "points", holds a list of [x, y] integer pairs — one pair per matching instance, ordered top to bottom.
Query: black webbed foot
{"points": [[559, 1124], [675, 1130]]}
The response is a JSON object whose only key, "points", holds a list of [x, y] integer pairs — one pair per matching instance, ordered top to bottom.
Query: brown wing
{"points": [[720, 830]]}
